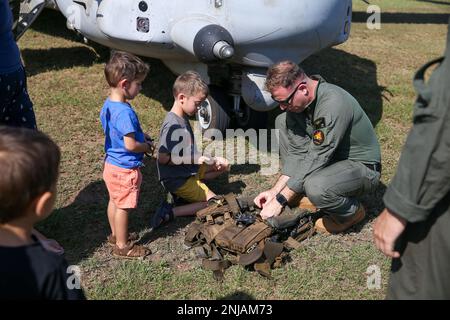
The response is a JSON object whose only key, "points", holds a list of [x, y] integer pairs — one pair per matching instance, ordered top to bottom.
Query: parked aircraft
{"points": [[229, 42]]}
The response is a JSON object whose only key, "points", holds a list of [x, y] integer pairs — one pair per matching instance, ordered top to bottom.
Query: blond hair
{"points": [[124, 65], [284, 74], [190, 83]]}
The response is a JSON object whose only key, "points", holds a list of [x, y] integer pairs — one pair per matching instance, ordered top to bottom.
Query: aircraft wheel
{"points": [[213, 112]]}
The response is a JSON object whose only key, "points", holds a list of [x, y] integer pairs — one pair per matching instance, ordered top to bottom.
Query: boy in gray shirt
{"points": [[181, 167]]}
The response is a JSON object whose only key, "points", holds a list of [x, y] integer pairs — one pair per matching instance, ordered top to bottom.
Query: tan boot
{"points": [[305, 203], [328, 225]]}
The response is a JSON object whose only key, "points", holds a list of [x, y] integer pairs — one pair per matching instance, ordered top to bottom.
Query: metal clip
{"points": [[252, 247], [278, 262]]}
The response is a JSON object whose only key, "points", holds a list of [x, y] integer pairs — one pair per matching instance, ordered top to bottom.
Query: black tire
{"points": [[216, 106], [251, 118]]}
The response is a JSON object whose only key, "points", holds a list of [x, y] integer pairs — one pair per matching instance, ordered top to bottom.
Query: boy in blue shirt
{"points": [[125, 145]]}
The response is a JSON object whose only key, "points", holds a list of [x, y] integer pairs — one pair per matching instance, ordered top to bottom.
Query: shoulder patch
{"points": [[319, 123], [318, 137]]}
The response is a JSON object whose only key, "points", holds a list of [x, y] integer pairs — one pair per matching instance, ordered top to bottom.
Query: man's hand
{"points": [[264, 197], [271, 209], [386, 229]]}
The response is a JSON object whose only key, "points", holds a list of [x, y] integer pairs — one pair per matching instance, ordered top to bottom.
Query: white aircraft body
{"points": [[230, 43]]}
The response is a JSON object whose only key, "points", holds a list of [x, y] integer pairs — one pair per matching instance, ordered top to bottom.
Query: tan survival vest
{"points": [[230, 231]]}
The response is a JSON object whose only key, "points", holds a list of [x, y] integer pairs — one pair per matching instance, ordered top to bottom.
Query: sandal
{"points": [[162, 215], [132, 236], [131, 251]]}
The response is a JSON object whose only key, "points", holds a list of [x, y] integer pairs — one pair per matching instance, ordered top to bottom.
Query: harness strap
{"points": [[232, 203], [290, 243], [272, 250], [251, 257], [215, 264], [263, 269]]}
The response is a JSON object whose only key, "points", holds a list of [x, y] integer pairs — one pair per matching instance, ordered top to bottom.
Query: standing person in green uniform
{"points": [[329, 150], [414, 229]]}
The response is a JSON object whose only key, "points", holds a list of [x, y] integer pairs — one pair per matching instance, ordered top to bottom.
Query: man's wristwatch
{"points": [[281, 200]]}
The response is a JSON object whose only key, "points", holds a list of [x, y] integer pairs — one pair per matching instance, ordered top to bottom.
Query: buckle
{"points": [[373, 166]]}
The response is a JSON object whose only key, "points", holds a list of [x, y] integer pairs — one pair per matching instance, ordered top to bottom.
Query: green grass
{"points": [[409, 6], [66, 84], [311, 275]]}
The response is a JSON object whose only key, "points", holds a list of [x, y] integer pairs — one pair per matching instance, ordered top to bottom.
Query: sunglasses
{"points": [[288, 101]]}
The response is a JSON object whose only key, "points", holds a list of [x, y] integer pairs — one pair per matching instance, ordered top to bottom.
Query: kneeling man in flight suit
{"points": [[329, 149]]}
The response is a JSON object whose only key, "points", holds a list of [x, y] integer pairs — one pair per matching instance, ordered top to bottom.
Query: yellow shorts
{"points": [[193, 190]]}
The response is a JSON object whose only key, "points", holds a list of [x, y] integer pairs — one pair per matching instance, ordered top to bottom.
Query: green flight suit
{"points": [[330, 151], [420, 193]]}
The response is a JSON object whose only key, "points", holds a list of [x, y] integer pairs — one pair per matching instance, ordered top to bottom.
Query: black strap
{"points": [[419, 80], [168, 161], [373, 166]]}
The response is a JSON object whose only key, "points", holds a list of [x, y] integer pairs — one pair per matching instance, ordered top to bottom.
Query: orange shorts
{"points": [[123, 185]]}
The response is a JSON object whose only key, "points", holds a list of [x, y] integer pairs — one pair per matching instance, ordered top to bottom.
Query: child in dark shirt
{"points": [[30, 163]]}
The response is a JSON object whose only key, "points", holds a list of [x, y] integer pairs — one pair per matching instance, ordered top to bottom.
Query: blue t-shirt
{"points": [[9, 52], [119, 119]]}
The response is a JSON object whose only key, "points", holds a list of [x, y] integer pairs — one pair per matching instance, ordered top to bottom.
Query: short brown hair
{"points": [[124, 65], [283, 74], [190, 83], [29, 161]]}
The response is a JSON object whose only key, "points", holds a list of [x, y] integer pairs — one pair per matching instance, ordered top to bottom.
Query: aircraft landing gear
{"points": [[28, 12], [219, 109], [213, 112], [246, 117]]}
